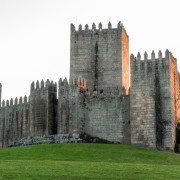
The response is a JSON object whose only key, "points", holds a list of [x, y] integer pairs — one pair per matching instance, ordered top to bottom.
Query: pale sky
{"points": [[35, 34]]}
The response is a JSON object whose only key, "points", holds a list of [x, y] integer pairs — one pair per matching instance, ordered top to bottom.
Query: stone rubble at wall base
{"points": [[48, 139]]}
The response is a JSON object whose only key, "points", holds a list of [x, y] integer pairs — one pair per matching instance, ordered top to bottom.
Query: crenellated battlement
{"points": [[98, 28], [167, 55], [153, 56], [149, 64], [63, 82], [76, 83], [81, 83], [43, 85], [15, 102]]}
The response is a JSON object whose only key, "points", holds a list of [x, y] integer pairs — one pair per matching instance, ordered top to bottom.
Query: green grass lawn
{"points": [[88, 161]]}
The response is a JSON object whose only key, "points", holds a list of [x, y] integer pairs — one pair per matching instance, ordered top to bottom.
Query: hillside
{"points": [[87, 161]]}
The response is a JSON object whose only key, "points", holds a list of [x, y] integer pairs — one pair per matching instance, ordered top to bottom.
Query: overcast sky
{"points": [[35, 34]]}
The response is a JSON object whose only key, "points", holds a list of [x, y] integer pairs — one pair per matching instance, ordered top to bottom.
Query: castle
{"points": [[106, 97]]}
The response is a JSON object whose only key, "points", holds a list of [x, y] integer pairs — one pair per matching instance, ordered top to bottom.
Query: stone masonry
{"points": [[101, 56], [108, 97], [152, 106]]}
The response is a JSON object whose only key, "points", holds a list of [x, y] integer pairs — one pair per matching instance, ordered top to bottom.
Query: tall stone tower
{"points": [[101, 56], [154, 100], [42, 108]]}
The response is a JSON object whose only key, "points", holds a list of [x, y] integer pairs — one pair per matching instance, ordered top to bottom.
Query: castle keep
{"points": [[109, 96]]}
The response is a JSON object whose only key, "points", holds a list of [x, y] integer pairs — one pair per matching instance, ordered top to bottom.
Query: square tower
{"points": [[101, 56], [154, 100]]}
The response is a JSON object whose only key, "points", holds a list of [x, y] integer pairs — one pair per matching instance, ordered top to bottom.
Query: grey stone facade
{"points": [[97, 56], [98, 99], [151, 102]]}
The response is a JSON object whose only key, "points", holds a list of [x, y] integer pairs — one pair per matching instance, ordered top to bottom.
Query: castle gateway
{"points": [[106, 97]]}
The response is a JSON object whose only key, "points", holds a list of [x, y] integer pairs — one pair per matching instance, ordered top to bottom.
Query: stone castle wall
{"points": [[97, 100], [43, 110], [71, 112], [104, 114], [108, 116], [36, 117], [14, 121], [152, 123]]}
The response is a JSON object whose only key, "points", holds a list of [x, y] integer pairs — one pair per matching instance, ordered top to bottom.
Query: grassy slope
{"points": [[87, 161]]}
